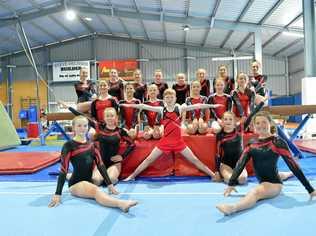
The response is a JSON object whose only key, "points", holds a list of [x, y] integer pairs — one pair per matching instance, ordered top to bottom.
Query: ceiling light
{"points": [[70, 14], [88, 18], [186, 28], [291, 33]]}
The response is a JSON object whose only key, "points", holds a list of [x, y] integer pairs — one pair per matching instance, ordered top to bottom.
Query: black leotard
{"points": [[140, 91], [182, 92], [84, 94], [108, 141], [229, 145], [265, 154], [83, 157]]}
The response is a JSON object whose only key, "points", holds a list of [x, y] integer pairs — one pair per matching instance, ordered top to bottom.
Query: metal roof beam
{"points": [[243, 12], [141, 21], [163, 22], [211, 22], [261, 22], [279, 33], [287, 46]]}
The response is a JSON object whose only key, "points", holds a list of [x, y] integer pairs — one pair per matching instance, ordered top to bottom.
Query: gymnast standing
{"points": [[257, 80], [159, 82], [229, 82], [205, 83], [139, 87], [116, 88], [182, 88], [85, 90], [219, 97], [243, 97], [103, 101], [129, 115], [196, 119], [152, 129], [172, 140], [265, 152], [83, 156]]}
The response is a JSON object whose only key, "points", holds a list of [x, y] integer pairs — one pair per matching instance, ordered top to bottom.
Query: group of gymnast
{"points": [[116, 111]]}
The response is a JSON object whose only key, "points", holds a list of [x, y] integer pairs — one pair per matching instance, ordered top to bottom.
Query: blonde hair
{"points": [[222, 65], [137, 71], [181, 75], [243, 75], [152, 86], [169, 91], [110, 109], [229, 113], [80, 117]]}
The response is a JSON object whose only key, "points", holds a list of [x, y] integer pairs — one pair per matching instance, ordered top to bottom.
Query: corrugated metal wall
{"points": [[170, 59], [296, 72]]}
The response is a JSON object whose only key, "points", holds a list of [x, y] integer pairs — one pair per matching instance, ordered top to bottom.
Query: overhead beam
{"points": [[187, 13], [241, 15], [141, 21], [162, 21], [261, 22], [210, 23], [279, 33], [288, 46]]}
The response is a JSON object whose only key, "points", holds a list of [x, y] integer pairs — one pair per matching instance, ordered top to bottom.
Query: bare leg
{"points": [[84, 107], [202, 126], [192, 127], [215, 127], [148, 132], [157, 132], [132, 133], [155, 153], [189, 155], [226, 171], [114, 172], [285, 175], [97, 178], [85, 189], [264, 190]]}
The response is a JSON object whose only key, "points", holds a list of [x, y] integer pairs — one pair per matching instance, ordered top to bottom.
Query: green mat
{"points": [[8, 136]]}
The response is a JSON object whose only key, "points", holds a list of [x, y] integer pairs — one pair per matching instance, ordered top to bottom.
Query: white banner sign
{"points": [[69, 70]]}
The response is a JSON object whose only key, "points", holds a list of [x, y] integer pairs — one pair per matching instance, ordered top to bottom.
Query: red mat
{"points": [[306, 145], [204, 147], [26, 162]]}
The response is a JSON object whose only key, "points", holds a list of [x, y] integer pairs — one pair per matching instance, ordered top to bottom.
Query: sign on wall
{"points": [[125, 68], [69, 70]]}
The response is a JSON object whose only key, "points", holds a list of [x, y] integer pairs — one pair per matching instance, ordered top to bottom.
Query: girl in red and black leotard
{"points": [[257, 80], [158, 81], [229, 82], [205, 83], [116, 85], [139, 87], [182, 88], [85, 89], [219, 97], [243, 97], [103, 101], [129, 115], [197, 119], [152, 129], [107, 138], [172, 140], [265, 152], [84, 156]]}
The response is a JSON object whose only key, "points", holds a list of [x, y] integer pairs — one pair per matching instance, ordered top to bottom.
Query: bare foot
{"points": [[285, 175], [68, 176], [129, 178], [126, 205], [226, 209]]}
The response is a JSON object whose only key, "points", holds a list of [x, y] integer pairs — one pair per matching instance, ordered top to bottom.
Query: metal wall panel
{"points": [[114, 49], [78, 50], [159, 52], [296, 71], [296, 82]]}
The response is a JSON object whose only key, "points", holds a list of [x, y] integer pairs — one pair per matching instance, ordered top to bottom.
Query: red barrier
{"points": [[203, 146]]}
